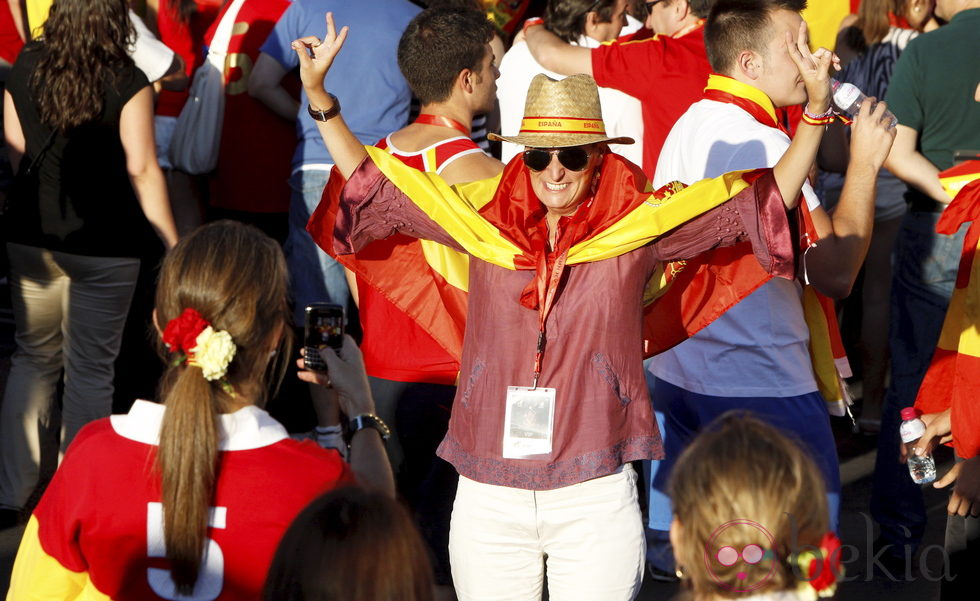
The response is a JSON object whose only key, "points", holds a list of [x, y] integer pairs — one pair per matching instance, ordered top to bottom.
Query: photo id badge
{"points": [[528, 422]]}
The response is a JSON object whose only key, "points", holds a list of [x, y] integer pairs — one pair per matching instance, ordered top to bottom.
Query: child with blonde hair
{"points": [[750, 516]]}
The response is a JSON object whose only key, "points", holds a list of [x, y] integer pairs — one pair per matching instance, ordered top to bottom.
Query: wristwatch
{"points": [[321, 115], [369, 420]]}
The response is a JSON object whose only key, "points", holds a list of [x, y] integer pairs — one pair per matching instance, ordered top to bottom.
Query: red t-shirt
{"points": [[187, 40], [10, 42], [666, 74], [256, 144], [394, 346], [100, 519]]}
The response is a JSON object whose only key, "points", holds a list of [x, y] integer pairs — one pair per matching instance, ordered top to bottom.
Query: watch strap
{"points": [[321, 115], [369, 420]]}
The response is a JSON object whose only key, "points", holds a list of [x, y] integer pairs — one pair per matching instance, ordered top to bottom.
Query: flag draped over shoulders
{"points": [[500, 221], [953, 379]]}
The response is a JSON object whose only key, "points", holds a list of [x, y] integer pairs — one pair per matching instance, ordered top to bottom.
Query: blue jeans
{"points": [[313, 274], [924, 274], [803, 418], [660, 553]]}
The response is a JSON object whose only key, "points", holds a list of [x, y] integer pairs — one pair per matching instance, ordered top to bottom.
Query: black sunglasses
{"points": [[575, 158]]}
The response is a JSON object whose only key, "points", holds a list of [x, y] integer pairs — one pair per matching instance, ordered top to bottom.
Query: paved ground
{"points": [[920, 583]]}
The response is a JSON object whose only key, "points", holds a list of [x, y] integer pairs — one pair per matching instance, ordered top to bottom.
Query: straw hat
{"points": [[562, 113]]}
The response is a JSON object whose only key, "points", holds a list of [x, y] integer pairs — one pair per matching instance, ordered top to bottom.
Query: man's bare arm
{"points": [[555, 54], [263, 85], [912, 167], [471, 168], [833, 265]]}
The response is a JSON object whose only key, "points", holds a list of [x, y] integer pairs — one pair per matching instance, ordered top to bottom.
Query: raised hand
{"points": [[315, 58], [814, 68]]}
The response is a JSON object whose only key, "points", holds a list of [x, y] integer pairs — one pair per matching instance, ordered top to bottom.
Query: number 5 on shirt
{"points": [[211, 575]]}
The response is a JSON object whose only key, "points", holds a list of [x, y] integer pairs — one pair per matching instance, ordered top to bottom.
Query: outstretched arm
{"points": [[555, 54], [315, 58]]}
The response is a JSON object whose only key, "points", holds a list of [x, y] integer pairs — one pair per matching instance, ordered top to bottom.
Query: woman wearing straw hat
{"points": [[552, 404]]}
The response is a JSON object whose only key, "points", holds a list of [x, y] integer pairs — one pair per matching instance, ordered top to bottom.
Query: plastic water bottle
{"points": [[848, 99], [922, 468]]}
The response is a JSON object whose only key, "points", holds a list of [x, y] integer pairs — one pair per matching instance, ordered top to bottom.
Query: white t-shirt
{"points": [[151, 56], [620, 112], [759, 347]]}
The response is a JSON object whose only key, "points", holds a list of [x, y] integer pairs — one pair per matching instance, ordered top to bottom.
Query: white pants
{"points": [[70, 311], [588, 537]]}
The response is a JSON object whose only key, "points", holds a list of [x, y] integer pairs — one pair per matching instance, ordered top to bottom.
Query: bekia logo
{"points": [[754, 564], [742, 568]]}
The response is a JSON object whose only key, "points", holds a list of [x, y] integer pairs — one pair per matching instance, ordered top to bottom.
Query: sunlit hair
{"points": [[640, 11], [566, 18], [872, 23], [737, 25], [437, 45], [84, 47], [235, 277], [740, 468], [351, 545]]}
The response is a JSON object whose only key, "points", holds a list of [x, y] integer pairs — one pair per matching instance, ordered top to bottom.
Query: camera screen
{"points": [[325, 327]]}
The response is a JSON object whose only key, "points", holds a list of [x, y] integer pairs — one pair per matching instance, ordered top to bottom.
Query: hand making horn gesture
{"points": [[315, 58], [814, 68]]}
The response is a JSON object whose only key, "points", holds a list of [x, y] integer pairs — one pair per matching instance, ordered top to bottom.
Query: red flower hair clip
{"points": [[181, 333], [195, 342], [820, 568]]}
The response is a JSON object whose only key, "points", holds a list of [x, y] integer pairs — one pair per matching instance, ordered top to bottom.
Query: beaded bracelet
{"points": [[823, 119]]}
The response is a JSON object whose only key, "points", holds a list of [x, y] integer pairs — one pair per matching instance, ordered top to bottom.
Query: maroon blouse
{"points": [[593, 356]]}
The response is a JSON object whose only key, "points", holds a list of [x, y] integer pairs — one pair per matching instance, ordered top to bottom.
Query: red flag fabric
{"points": [[953, 379]]}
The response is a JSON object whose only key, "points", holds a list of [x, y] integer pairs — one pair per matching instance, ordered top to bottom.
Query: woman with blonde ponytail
{"points": [[188, 499]]}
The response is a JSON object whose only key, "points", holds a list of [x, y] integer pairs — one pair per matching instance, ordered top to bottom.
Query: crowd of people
{"points": [[589, 252]]}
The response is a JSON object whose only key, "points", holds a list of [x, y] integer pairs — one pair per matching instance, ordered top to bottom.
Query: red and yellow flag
{"points": [[489, 219], [428, 281], [953, 378]]}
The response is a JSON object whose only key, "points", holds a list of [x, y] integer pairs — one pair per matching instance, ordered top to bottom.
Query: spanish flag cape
{"points": [[499, 220], [953, 379]]}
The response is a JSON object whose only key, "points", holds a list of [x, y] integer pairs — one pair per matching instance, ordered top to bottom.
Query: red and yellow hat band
{"points": [[562, 125]]}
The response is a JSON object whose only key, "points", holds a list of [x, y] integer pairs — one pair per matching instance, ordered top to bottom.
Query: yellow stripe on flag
{"points": [[954, 183], [455, 209], [656, 217], [453, 266], [960, 330], [970, 339], [821, 350], [39, 577]]}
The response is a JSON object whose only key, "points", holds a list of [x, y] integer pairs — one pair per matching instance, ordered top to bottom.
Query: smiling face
{"points": [[779, 77], [562, 190]]}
